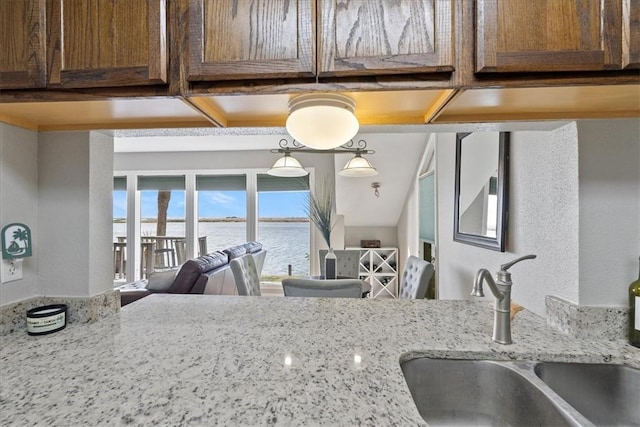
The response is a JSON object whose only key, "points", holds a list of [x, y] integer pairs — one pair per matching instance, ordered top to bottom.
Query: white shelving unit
{"points": [[379, 267]]}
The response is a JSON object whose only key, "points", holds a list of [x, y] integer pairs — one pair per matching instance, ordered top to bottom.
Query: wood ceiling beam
{"points": [[440, 104], [208, 110], [534, 116], [26, 124]]}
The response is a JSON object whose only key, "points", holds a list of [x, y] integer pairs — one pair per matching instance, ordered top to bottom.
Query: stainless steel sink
{"points": [[482, 392], [605, 394]]}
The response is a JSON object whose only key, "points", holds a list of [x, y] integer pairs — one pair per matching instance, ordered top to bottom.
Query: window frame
{"points": [[191, 209]]}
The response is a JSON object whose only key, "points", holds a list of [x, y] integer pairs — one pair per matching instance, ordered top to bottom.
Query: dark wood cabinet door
{"points": [[631, 34], [548, 35], [368, 37], [251, 39], [97, 43], [22, 44]]}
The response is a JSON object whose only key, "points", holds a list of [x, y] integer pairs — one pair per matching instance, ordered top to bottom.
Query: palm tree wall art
{"points": [[16, 241]]}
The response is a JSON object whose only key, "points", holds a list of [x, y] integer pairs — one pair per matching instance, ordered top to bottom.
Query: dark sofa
{"points": [[208, 274]]}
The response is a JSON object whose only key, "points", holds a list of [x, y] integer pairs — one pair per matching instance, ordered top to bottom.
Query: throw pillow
{"points": [[160, 281]]}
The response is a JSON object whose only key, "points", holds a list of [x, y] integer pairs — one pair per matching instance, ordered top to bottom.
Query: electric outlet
{"points": [[11, 270]]}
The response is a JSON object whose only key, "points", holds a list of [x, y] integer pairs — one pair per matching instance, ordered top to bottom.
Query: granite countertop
{"points": [[207, 360]]}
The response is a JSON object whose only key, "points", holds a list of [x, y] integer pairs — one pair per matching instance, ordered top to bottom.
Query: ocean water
{"points": [[286, 242]]}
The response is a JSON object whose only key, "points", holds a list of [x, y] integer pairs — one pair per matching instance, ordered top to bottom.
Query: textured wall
{"points": [[609, 155], [75, 199], [19, 202], [101, 213], [544, 216], [543, 220]]}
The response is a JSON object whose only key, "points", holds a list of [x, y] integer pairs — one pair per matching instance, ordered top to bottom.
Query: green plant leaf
{"points": [[320, 208]]}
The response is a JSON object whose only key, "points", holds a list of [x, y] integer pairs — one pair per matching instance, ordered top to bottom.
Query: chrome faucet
{"points": [[501, 289]]}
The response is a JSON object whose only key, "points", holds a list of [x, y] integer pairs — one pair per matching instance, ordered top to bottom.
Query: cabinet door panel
{"points": [[631, 34], [548, 35], [364, 37], [232, 39], [96, 43], [22, 44]]}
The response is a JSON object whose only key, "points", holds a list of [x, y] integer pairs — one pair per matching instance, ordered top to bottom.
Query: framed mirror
{"points": [[481, 191]]}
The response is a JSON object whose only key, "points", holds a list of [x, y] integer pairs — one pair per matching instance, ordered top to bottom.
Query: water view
{"points": [[286, 242]]}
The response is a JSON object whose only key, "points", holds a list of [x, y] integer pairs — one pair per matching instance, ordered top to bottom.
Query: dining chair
{"points": [[347, 262], [246, 276], [415, 278], [331, 288]]}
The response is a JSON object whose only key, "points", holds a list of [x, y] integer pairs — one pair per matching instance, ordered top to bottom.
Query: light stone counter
{"points": [[220, 360]]}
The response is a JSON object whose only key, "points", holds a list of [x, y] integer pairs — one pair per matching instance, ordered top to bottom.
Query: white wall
{"points": [[609, 156], [216, 160], [60, 184], [574, 201], [19, 202], [75, 209], [100, 213], [544, 216], [543, 220], [409, 223], [408, 227], [387, 236]]}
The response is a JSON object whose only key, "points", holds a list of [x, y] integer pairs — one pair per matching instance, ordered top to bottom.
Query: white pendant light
{"points": [[322, 121], [287, 166], [358, 166]]}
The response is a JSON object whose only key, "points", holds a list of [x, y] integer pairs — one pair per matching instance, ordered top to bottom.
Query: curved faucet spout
{"points": [[484, 275], [501, 289]]}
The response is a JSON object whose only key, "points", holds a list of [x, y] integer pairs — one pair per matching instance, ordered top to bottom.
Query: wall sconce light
{"points": [[322, 121], [356, 167], [376, 185]]}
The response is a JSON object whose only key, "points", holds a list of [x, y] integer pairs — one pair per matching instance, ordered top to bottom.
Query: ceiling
{"points": [[403, 107], [397, 159]]}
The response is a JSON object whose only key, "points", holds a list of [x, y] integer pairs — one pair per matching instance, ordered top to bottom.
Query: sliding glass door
{"points": [[222, 210], [162, 220], [283, 225]]}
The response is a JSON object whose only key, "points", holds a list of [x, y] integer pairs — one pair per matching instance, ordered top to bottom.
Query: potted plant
{"points": [[320, 208]]}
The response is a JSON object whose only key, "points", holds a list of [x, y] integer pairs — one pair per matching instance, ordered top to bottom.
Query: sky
{"points": [[218, 204]]}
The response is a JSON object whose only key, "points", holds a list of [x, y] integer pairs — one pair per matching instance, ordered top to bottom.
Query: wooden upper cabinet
{"points": [[631, 34], [548, 35], [368, 37], [251, 39], [97, 43], [22, 44]]}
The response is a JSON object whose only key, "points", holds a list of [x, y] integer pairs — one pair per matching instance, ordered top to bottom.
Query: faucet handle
{"points": [[505, 267]]}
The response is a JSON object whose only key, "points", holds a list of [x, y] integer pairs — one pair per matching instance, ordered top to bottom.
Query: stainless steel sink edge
{"points": [[526, 370]]}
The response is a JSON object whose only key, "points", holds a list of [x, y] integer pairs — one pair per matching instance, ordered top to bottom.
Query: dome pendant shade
{"points": [[322, 121], [287, 166], [358, 166]]}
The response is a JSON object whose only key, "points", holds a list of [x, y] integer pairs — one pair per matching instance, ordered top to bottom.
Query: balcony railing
{"points": [[157, 253]]}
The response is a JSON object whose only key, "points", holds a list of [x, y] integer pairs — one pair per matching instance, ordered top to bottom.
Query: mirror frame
{"points": [[497, 243]]}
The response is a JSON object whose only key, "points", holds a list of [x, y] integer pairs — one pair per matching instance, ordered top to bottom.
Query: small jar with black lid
{"points": [[46, 319]]}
